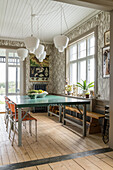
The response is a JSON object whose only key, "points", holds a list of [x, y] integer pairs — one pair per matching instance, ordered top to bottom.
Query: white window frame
{"points": [[68, 62], [21, 72]]}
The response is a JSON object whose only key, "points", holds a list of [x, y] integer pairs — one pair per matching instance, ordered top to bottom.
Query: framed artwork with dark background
{"points": [[107, 38], [106, 62], [39, 71]]}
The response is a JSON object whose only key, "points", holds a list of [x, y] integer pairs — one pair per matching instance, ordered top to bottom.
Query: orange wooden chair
{"points": [[14, 119]]}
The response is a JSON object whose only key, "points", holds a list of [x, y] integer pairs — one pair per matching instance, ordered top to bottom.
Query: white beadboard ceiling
{"points": [[15, 18]]}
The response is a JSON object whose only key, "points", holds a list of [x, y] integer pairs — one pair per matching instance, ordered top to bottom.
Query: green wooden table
{"points": [[25, 101]]}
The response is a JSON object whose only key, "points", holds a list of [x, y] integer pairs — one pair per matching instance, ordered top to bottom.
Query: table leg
{"points": [[48, 111], [60, 114], [84, 120], [64, 122], [19, 127]]}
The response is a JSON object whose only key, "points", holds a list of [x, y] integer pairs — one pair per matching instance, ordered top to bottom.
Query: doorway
{"points": [[9, 75]]}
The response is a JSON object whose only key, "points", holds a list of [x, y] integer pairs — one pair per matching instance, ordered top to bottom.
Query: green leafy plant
{"points": [[84, 86], [68, 88]]}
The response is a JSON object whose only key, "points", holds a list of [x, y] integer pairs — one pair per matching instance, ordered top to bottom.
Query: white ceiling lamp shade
{"points": [[61, 42], [31, 43], [39, 51], [22, 53], [43, 55], [40, 60]]}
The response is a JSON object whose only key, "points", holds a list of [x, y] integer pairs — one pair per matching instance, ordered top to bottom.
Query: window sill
{"points": [[77, 97]]}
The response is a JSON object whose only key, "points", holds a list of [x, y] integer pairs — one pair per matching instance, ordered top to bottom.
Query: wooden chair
{"points": [[14, 119]]}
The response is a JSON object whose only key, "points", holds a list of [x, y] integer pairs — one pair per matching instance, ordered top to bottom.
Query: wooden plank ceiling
{"points": [[15, 18]]}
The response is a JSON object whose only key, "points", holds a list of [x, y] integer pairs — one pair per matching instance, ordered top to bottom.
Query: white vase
{"points": [[84, 92]]}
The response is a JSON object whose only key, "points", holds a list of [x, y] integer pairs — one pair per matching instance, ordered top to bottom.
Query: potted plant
{"points": [[84, 87], [68, 89]]}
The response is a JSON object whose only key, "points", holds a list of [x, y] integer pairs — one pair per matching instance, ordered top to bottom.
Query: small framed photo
{"points": [[107, 38], [106, 61]]}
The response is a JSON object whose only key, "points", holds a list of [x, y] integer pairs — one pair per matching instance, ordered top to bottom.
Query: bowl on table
{"points": [[37, 95]]}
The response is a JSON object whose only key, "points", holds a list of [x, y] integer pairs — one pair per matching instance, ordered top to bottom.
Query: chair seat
{"points": [[27, 117]]}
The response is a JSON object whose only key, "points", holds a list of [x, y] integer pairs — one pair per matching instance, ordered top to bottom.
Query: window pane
{"points": [[91, 45], [82, 49], [3, 52], [73, 52], [13, 58], [13, 61], [91, 70], [82, 71], [73, 73], [2, 78], [13, 80]]}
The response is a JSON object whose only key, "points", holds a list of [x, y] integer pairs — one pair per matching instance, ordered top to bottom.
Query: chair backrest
{"points": [[6, 103], [12, 107]]}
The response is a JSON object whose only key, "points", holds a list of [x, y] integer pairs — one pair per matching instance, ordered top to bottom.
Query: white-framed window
{"points": [[81, 60], [10, 68]]}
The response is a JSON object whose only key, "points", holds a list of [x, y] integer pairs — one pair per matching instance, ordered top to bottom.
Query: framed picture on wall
{"points": [[107, 38], [106, 61], [39, 71]]}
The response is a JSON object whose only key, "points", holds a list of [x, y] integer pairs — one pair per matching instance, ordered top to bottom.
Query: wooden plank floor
{"points": [[53, 140], [97, 162]]}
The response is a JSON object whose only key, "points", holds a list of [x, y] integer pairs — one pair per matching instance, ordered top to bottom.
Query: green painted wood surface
{"points": [[25, 101]]}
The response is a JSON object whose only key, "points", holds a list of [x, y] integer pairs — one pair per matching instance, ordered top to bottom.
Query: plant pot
{"points": [[68, 92], [84, 92], [87, 95]]}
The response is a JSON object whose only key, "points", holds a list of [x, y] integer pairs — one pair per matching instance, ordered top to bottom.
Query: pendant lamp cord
{"points": [[61, 19], [65, 19], [31, 21]]}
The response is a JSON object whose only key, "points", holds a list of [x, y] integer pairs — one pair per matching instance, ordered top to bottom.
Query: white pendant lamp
{"points": [[61, 42], [31, 43], [39, 51], [22, 53], [43, 55], [41, 60]]}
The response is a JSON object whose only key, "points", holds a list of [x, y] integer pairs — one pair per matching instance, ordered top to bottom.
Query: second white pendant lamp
{"points": [[31, 42], [61, 42], [39, 51], [22, 53], [43, 55]]}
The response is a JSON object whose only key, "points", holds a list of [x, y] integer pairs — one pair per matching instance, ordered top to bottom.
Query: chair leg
{"points": [[5, 118], [11, 123], [7, 124], [25, 124], [30, 127], [36, 129], [14, 134]]}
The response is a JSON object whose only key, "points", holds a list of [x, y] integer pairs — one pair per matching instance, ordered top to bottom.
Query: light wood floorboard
{"points": [[53, 140], [97, 162]]}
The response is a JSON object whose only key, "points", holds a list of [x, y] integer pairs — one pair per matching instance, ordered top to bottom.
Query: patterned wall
{"points": [[102, 20], [56, 82]]}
